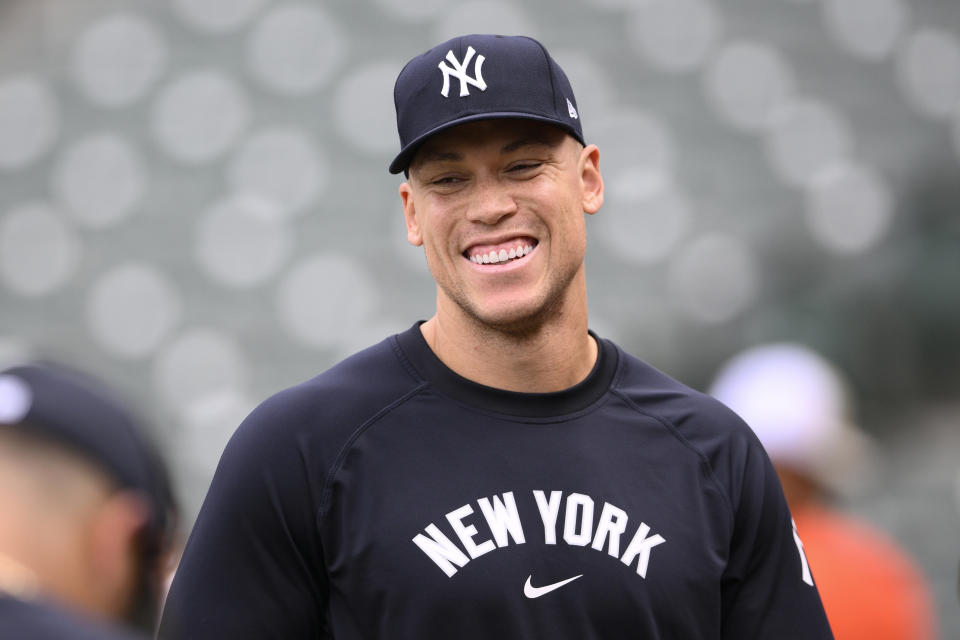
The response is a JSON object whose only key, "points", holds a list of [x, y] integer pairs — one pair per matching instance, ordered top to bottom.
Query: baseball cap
{"points": [[479, 77], [71, 409]]}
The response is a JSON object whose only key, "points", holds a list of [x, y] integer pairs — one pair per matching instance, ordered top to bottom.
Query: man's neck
{"points": [[552, 357]]}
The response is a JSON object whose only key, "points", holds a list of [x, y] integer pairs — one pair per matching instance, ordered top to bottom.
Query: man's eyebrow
{"points": [[527, 142], [438, 155], [443, 155]]}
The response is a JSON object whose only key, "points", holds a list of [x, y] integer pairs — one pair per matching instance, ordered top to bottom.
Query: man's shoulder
{"points": [[372, 370], [655, 388], [345, 394], [318, 417], [698, 418], [700, 423]]}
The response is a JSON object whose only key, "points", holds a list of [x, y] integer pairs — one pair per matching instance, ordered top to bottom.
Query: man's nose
{"points": [[492, 202]]}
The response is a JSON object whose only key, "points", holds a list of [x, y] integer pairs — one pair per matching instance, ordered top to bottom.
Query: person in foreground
{"points": [[497, 471], [86, 512]]}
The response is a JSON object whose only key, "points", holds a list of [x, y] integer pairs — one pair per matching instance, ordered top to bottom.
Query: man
{"points": [[799, 405], [497, 471], [86, 509]]}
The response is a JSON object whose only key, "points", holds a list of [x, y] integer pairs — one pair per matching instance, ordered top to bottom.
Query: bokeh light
{"points": [[413, 10], [217, 16], [481, 16], [867, 29], [675, 35], [295, 49], [118, 59], [928, 70], [747, 82], [363, 108], [199, 116], [29, 120], [805, 136], [632, 140], [280, 165], [100, 179], [849, 208], [644, 217], [242, 241], [38, 249], [714, 278], [322, 294], [132, 308], [199, 362]]}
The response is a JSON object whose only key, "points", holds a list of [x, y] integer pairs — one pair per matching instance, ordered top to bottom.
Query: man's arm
{"points": [[253, 565], [769, 588]]}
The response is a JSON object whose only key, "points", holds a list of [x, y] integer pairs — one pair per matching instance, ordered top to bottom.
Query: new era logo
{"points": [[459, 71]]}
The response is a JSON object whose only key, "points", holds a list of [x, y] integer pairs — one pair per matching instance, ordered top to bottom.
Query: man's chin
{"points": [[516, 321]]}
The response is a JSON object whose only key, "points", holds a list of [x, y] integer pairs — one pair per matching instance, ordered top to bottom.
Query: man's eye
{"points": [[525, 166], [446, 180]]}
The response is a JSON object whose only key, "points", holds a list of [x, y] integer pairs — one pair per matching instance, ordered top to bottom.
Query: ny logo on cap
{"points": [[460, 72]]}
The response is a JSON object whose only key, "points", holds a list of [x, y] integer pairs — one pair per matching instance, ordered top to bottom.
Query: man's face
{"points": [[498, 206]]}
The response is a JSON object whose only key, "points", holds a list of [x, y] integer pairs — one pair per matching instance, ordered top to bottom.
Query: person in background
{"points": [[800, 407], [86, 511]]}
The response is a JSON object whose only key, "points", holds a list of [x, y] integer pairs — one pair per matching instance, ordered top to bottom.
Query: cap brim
{"points": [[402, 161]]}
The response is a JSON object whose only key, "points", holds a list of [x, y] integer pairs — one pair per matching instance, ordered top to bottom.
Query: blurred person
{"points": [[800, 406], [497, 470], [86, 510]]}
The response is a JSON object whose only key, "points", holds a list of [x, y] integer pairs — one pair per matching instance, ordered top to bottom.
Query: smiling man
{"points": [[498, 206], [498, 470]]}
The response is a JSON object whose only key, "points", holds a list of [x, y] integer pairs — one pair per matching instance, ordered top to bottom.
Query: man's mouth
{"points": [[496, 255]]}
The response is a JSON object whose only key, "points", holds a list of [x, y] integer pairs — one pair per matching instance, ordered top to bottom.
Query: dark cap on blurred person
{"points": [[479, 77], [65, 407]]}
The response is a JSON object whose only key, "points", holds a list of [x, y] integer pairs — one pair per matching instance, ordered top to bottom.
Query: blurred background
{"points": [[194, 203]]}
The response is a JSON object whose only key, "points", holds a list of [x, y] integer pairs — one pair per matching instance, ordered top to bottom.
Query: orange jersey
{"points": [[870, 589]]}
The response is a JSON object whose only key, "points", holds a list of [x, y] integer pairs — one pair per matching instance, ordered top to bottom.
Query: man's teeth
{"points": [[502, 256]]}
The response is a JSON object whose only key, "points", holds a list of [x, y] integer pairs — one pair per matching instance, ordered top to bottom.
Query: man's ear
{"points": [[591, 181], [414, 236], [115, 533]]}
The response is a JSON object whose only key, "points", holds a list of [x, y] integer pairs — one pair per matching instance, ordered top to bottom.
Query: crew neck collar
{"points": [[526, 405]]}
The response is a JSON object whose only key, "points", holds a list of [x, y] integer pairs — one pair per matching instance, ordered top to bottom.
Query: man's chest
{"points": [[584, 523]]}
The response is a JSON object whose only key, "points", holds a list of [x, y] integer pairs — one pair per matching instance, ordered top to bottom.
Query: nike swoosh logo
{"points": [[535, 592]]}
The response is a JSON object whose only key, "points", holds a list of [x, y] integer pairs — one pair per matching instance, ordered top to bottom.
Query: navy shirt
{"points": [[391, 498], [40, 620]]}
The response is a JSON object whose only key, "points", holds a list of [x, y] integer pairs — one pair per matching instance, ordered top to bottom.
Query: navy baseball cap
{"points": [[478, 77], [75, 411]]}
